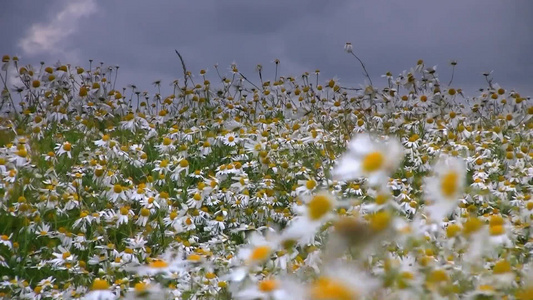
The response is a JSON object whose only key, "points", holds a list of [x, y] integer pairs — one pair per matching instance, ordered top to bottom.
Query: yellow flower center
{"points": [[129, 117], [414, 137], [22, 152], [373, 161], [184, 163], [310, 184], [449, 184], [117, 188], [197, 197], [381, 199], [319, 206], [124, 211], [145, 212], [173, 215], [380, 220], [496, 220], [472, 225], [452, 230], [496, 230], [260, 253], [194, 257], [158, 264], [501, 267], [437, 276], [100, 284], [268, 285], [140, 287], [38, 289], [329, 289], [525, 293]]}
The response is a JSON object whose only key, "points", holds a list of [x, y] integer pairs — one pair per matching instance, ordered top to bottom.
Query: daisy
{"points": [[130, 122], [314, 137], [230, 139], [105, 141], [412, 142], [166, 146], [254, 147], [205, 148], [61, 149], [20, 156], [367, 157], [162, 166], [181, 166], [306, 186], [445, 187], [117, 192], [197, 200], [317, 210], [124, 214], [144, 215], [83, 220], [174, 220], [217, 225], [43, 230], [5, 240], [255, 253], [64, 257], [168, 264], [341, 282], [268, 288], [526, 288], [100, 290], [146, 290], [483, 291]]}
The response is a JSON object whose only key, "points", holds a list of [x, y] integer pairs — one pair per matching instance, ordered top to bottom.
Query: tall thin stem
{"points": [[364, 68], [453, 72]]}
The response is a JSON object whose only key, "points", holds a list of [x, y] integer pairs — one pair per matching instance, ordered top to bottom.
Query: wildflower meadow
{"points": [[262, 188]]}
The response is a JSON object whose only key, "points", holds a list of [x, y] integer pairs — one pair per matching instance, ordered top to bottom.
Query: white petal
{"points": [[347, 168]]}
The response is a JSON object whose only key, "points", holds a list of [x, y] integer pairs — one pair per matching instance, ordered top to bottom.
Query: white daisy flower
{"points": [[367, 157], [446, 186]]}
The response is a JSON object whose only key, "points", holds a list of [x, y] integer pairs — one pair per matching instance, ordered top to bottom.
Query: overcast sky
{"points": [[388, 35]]}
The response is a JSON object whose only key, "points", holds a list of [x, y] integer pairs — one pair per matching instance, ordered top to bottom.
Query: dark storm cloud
{"points": [[266, 17], [305, 35]]}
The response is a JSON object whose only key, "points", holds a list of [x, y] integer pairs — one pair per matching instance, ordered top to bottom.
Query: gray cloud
{"points": [[305, 35], [50, 37]]}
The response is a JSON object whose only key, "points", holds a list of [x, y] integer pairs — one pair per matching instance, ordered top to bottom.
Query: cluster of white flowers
{"points": [[275, 190]]}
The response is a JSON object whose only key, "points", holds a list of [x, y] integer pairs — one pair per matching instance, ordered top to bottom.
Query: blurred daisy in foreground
{"points": [[368, 157], [445, 187], [315, 210], [257, 252], [170, 263], [341, 282], [268, 288], [526, 288], [100, 290], [146, 290]]}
